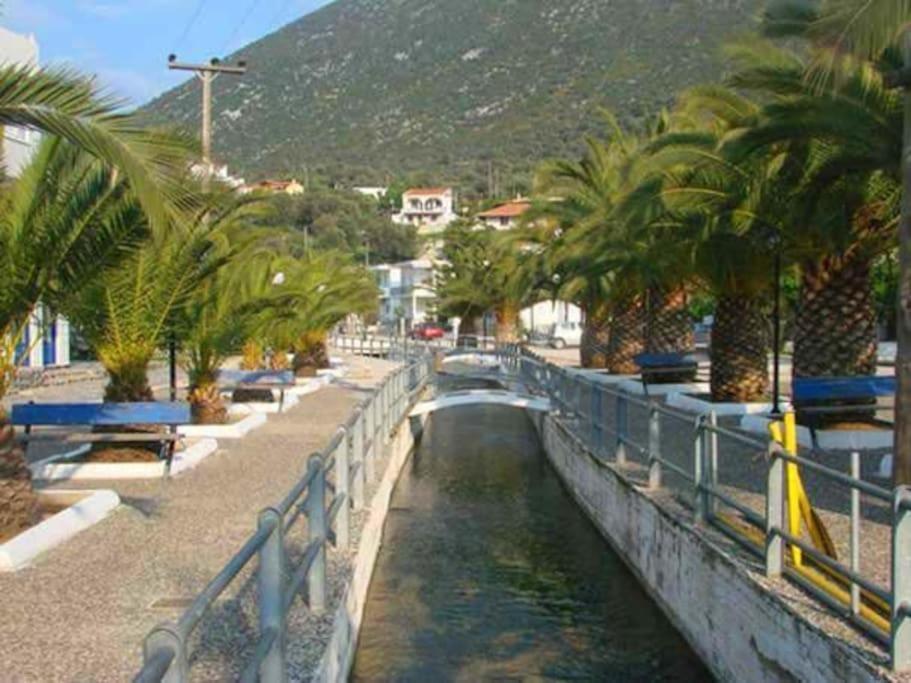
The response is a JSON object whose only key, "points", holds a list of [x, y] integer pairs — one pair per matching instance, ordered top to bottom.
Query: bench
{"points": [[656, 364], [258, 379], [818, 396], [171, 415]]}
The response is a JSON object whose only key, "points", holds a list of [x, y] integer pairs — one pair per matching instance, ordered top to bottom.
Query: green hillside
{"points": [[362, 88]]}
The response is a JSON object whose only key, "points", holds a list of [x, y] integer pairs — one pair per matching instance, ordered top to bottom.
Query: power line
{"points": [[250, 9], [279, 16], [190, 24]]}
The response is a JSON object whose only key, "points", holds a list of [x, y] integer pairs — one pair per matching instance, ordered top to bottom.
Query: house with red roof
{"points": [[505, 216]]}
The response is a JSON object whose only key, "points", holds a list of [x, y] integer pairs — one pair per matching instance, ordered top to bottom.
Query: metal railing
{"points": [[367, 345], [334, 484], [883, 612]]}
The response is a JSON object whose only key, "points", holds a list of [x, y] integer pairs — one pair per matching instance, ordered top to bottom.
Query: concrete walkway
{"points": [[81, 612]]}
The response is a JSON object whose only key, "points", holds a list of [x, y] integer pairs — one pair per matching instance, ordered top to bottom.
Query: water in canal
{"points": [[489, 570]]}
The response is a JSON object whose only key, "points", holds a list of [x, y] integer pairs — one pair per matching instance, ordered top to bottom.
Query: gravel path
{"points": [[81, 612]]}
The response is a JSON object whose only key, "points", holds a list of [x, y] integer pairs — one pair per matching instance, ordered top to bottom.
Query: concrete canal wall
{"points": [[741, 630], [338, 658]]}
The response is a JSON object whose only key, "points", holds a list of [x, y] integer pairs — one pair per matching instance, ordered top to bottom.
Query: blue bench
{"points": [[655, 364], [258, 379], [811, 395], [171, 415]]}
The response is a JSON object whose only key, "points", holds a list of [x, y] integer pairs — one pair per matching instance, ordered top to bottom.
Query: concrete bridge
{"points": [[473, 397]]}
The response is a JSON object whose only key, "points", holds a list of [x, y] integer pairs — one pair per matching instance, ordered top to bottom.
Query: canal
{"points": [[489, 570]]}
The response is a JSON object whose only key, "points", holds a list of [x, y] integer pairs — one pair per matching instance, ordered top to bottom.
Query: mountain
{"points": [[364, 87]]}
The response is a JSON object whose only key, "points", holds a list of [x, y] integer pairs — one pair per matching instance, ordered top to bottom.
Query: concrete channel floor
{"points": [[81, 611]]}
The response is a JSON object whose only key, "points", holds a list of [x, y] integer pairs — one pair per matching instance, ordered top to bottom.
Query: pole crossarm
{"points": [[237, 70]]}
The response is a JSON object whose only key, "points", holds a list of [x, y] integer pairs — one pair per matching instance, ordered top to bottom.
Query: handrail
{"points": [[582, 400], [350, 452]]}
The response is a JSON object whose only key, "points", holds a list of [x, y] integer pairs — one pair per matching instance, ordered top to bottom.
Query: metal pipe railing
{"points": [[350, 455], [840, 584]]}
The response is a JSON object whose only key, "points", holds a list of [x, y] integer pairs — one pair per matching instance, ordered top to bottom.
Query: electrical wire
{"points": [[250, 9], [190, 24]]}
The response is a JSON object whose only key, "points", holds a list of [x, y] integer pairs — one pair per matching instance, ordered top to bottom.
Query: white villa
{"points": [[376, 193], [431, 209], [505, 216], [406, 292], [46, 341]]}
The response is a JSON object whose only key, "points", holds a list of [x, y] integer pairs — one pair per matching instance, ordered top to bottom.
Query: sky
{"points": [[126, 42]]}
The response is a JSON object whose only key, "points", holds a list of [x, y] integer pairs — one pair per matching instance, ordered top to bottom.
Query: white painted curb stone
{"points": [[635, 387], [291, 400], [701, 407], [237, 430], [829, 439], [52, 469], [86, 508]]}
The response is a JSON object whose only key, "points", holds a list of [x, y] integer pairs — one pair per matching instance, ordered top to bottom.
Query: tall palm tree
{"points": [[847, 136]]}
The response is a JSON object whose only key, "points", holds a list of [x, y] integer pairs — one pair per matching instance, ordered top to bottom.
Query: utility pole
{"points": [[207, 73], [902, 456]]}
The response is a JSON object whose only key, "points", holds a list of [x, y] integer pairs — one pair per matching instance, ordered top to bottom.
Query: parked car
{"points": [[427, 332], [565, 334]]}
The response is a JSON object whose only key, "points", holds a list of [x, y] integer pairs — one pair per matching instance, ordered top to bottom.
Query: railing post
{"points": [[597, 415], [622, 417], [370, 433], [356, 444], [654, 446], [711, 463], [342, 489], [701, 494], [774, 513], [316, 522], [901, 580], [271, 587], [163, 638]]}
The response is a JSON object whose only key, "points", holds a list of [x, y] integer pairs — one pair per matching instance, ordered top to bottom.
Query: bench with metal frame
{"points": [[652, 364], [280, 380], [852, 394], [107, 415]]}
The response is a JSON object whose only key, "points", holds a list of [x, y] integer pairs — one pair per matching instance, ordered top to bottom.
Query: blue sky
{"points": [[126, 42]]}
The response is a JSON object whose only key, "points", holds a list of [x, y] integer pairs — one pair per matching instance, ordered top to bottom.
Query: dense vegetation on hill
{"points": [[364, 90]]}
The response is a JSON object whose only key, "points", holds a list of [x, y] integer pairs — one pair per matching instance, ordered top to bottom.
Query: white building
{"points": [[18, 143], [376, 193], [431, 209], [505, 216], [406, 292], [46, 341]]}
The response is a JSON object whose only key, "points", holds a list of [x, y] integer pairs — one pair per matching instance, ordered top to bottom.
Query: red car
{"points": [[427, 332]]}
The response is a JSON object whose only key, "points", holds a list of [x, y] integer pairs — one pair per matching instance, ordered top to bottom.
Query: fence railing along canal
{"points": [[599, 414], [333, 485]]}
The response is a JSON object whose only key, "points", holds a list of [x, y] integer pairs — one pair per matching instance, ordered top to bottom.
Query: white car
{"points": [[565, 334]]}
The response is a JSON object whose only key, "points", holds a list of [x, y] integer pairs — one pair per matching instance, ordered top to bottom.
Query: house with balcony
{"points": [[430, 209], [407, 295], [46, 339]]}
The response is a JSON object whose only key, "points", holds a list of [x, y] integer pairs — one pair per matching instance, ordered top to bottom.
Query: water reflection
{"points": [[490, 571]]}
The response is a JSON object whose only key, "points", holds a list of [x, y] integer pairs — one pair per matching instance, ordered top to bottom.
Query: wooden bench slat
{"points": [[665, 360], [257, 378], [100, 414], [101, 438]]}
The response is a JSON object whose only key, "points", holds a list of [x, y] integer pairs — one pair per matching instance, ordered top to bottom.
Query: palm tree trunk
{"points": [[835, 321], [507, 324], [669, 329], [627, 336], [594, 349], [740, 350], [129, 384], [19, 507]]}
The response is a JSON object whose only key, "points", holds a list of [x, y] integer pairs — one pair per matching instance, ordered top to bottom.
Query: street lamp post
{"points": [[776, 332]]}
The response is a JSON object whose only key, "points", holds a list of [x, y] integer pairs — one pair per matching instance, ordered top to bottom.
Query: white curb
{"points": [[635, 387], [703, 407], [236, 430], [829, 439], [53, 469], [86, 508]]}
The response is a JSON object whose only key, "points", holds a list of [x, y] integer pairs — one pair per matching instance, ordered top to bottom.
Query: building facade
{"points": [[430, 209], [505, 216], [407, 294], [46, 340]]}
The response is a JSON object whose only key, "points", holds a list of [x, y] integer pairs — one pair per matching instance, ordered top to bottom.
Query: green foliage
{"points": [[361, 90]]}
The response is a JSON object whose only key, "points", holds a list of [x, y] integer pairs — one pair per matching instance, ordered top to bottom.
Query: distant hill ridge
{"points": [[376, 86]]}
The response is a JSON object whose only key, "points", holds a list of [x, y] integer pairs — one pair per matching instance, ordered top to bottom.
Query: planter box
{"points": [[636, 388], [291, 400], [704, 407], [236, 430], [829, 439], [57, 469], [84, 509]]}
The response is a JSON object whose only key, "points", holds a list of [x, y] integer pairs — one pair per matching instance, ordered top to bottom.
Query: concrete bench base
{"points": [[830, 439], [57, 469], [84, 509]]}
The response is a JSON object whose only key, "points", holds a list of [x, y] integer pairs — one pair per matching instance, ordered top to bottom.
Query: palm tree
{"points": [[847, 136], [127, 314]]}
